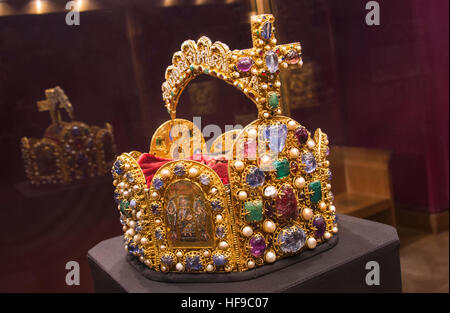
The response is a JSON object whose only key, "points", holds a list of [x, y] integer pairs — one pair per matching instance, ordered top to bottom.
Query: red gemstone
{"points": [[292, 57], [302, 135], [250, 150], [294, 167], [286, 203]]}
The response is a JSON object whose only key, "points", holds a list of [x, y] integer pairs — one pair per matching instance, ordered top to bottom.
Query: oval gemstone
{"points": [[266, 30], [292, 57], [272, 61], [244, 64], [309, 161], [255, 177], [158, 183], [286, 203], [320, 225], [220, 232], [291, 239], [257, 246], [219, 259]]}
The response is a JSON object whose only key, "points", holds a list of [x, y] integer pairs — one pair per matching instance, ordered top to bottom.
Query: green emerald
{"points": [[192, 67], [206, 71], [273, 100], [159, 141], [282, 167], [316, 190], [124, 208], [253, 210]]}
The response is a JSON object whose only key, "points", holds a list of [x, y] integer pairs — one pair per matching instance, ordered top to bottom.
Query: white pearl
{"points": [[274, 41], [284, 65], [254, 71], [236, 75], [277, 83], [264, 86], [279, 111], [266, 115], [292, 125], [252, 133], [311, 144], [294, 153], [327, 163], [239, 165], [127, 166], [193, 171], [165, 173], [299, 182], [121, 185], [328, 186], [135, 188], [213, 190], [270, 192], [126, 193], [155, 195], [242, 195], [322, 206], [332, 208], [307, 213], [139, 215], [219, 218], [158, 221], [132, 224], [269, 226], [124, 228], [335, 229], [247, 231], [131, 232], [327, 235], [137, 238], [144, 241], [311, 242], [223, 245], [162, 247], [125, 248], [179, 254], [206, 254], [270, 256], [141, 258], [147, 262], [251, 264], [179, 267], [163, 268], [210, 268], [227, 268]]}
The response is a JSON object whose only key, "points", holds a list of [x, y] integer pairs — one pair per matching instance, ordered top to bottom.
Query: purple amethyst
{"points": [[244, 64], [320, 225], [257, 246]]}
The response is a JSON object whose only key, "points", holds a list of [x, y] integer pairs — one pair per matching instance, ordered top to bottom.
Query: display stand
{"points": [[339, 269]]}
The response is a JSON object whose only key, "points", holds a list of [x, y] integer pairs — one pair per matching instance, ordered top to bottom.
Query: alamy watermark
{"points": [[73, 16], [373, 16], [73, 274], [373, 274]]}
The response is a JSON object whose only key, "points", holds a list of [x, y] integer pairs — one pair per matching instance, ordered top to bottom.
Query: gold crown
{"points": [[69, 151], [266, 198]]}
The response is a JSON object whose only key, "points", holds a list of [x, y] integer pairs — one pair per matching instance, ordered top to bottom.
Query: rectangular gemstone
{"points": [[282, 168], [316, 190], [253, 211]]}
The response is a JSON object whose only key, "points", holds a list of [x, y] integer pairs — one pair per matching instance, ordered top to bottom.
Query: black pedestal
{"points": [[340, 269]]}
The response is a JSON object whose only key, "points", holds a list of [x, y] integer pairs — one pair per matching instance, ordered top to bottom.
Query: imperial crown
{"points": [[69, 151], [266, 197]]}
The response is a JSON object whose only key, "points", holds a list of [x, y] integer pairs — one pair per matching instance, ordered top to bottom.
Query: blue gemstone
{"points": [[266, 31], [76, 131], [276, 137], [309, 161], [117, 164], [179, 170], [119, 171], [330, 175], [130, 177], [255, 177], [205, 180], [158, 183], [116, 197], [132, 203], [215, 204], [155, 209], [137, 227], [220, 232], [158, 234], [291, 239], [132, 248], [167, 259], [219, 259], [193, 263]]}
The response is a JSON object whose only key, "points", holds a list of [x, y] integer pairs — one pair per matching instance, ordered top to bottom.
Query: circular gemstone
{"points": [[266, 30], [292, 57], [271, 61], [244, 64], [302, 135], [309, 161], [179, 170], [255, 177], [205, 180], [158, 183], [132, 203], [286, 203], [155, 209], [320, 225], [158, 234], [291, 239], [257, 246], [219, 259]]}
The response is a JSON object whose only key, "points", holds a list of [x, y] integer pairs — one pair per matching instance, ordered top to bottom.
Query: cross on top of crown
{"points": [[256, 70], [55, 99]]}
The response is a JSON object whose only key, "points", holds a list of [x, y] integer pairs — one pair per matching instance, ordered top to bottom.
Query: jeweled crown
{"points": [[69, 151], [265, 197]]}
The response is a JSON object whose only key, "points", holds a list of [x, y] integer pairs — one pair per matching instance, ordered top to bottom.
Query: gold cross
{"points": [[256, 71], [55, 99]]}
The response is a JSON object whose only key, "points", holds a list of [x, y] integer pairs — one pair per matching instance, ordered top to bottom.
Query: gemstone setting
{"points": [[271, 61], [244, 64], [276, 135], [309, 162], [255, 177], [316, 189], [286, 203], [253, 211], [321, 226], [291, 239], [257, 246]]}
